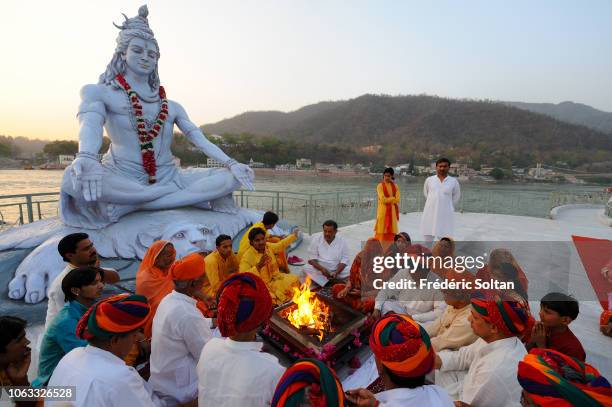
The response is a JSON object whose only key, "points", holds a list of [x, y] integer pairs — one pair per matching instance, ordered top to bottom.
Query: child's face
{"points": [[552, 319]]}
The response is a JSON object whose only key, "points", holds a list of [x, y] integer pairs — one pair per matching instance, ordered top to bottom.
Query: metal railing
{"points": [[567, 198], [346, 207], [27, 208]]}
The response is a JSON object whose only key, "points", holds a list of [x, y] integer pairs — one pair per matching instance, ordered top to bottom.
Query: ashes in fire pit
{"points": [[312, 321]]}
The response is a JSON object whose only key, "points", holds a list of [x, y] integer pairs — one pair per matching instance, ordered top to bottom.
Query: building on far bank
{"points": [[373, 149], [65, 159], [211, 163], [303, 163], [256, 164], [285, 167]]}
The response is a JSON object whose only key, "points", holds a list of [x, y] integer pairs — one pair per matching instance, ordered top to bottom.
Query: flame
{"points": [[309, 311]]}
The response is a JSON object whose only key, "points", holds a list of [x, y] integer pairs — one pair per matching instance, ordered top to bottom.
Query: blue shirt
{"points": [[60, 338]]}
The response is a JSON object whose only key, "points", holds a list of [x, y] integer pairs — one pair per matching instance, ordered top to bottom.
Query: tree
{"points": [[105, 144], [58, 147], [5, 150], [497, 173]]}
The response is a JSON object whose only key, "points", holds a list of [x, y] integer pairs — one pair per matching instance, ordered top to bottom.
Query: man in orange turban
{"points": [[180, 331], [404, 356], [233, 371], [553, 379]]}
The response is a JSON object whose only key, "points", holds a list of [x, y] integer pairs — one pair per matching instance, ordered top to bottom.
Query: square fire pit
{"points": [[342, 323]]}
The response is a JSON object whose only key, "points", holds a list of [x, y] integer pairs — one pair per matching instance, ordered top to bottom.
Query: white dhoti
{"points": [[318, 277], [451, 381]]}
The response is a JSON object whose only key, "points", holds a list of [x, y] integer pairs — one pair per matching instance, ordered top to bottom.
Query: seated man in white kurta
{"points": [[138, 171], [442, 194], [77, 251], [327, 256], [423, 305], [180, 331], [98, 371], [233, 371], [484, 373]]}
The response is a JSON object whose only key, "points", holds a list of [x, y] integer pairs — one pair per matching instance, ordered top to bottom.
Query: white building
{"points": [[65, 159], [211, 163], [303, 163], [256, 164]]}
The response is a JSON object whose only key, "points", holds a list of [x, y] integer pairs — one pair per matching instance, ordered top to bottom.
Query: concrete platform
{"points": [[516, 231]]}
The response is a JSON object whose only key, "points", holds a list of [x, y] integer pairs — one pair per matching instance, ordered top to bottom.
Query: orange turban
{"points": [[188, 268], [244, 304], [118, 314], [509, 314], [402, 345], [553, 379]]}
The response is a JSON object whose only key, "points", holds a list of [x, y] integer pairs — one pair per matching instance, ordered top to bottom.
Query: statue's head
{"points": [[137, 50]]}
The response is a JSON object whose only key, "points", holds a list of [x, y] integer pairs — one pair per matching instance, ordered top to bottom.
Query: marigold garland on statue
{"points": [[146, 137]]}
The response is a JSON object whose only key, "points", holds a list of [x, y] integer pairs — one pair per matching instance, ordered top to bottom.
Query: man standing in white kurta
{"points": [[442, 195]]}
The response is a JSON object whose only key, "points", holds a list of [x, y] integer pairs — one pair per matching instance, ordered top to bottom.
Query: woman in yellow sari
{"points": [[387, 213]]}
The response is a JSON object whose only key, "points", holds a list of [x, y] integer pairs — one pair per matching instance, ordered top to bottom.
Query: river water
{"points": [[509, 198]]}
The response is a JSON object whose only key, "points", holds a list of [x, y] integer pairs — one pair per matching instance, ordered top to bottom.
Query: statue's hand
{"points": [[244, 174], [87, 177]]}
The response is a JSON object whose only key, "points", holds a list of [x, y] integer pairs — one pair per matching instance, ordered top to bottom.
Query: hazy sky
{"points": [[221, 58]]}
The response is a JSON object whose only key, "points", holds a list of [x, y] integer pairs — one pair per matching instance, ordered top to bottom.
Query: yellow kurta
{"points": [[381, 212], [244, 242], [281, 257], [217, 270], [280, 285]]}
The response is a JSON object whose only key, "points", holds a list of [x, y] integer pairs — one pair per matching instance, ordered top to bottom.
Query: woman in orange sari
{"points": [[387, 213], [443, 250], [492, 269], [152, 279], [355, 292]]}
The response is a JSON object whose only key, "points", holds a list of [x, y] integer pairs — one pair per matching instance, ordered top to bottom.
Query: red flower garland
{"points": [[146, 138]]}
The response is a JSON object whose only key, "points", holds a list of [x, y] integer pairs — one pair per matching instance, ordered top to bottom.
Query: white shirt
{"points": [[441, 199], [329, 254], [56, 296], [423, 305], [180, 331], [236, 374], [491, 378], [101, 379], [429, 395]]}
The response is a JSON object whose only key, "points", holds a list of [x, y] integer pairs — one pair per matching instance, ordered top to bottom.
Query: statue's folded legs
{"points": [[201, 188]]}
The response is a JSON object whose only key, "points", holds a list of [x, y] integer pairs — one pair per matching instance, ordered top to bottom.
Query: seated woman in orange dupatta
{"points": [[387, 213], [403, 244], [443, 249], [497, 258], [152, 278], [354, 292]]}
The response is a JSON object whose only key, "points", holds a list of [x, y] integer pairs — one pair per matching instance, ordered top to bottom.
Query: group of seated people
{"points": [[187, 337]]}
